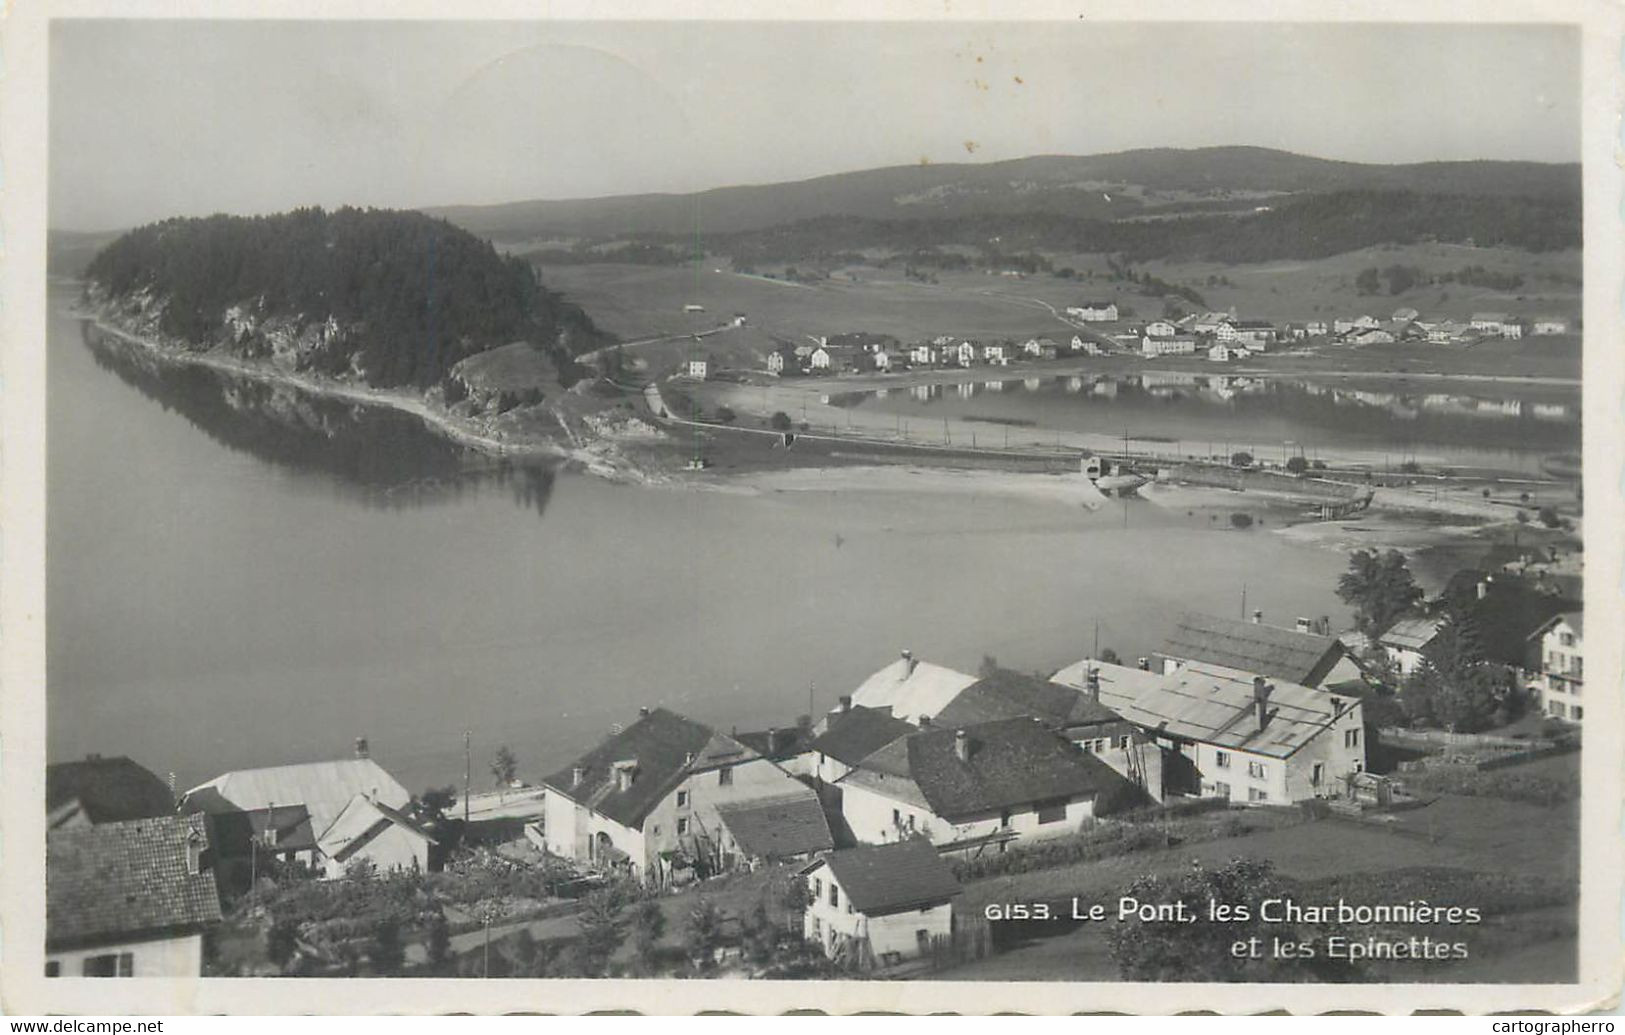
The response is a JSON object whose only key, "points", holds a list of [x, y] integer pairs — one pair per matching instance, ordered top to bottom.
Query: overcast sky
{"points": [[151, 119]]}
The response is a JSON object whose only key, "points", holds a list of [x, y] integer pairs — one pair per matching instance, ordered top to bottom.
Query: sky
{"points": [[150, 119]]}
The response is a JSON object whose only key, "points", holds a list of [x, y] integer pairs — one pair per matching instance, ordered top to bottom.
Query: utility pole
{"points": [[468, 772]]}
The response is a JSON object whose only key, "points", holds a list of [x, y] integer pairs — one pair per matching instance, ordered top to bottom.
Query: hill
{"points": [[1096, 187], [388, 298]]}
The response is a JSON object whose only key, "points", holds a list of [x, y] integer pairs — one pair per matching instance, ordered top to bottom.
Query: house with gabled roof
{"points": [[1406, 639], [1297, 655], [1561, 680], [910, 688], [852, 733], [1254, 740], [979, 787], [323, 788], [103, 790], [648, 800], [770, 830], [386, 839], [129, 899], [879, 904]]}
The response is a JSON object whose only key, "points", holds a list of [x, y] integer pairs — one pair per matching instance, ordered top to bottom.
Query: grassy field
{"points": [[1474, 836]]}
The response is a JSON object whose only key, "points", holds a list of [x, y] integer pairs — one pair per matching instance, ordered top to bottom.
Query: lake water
{"points": [[1213, 415], [241, 576]]}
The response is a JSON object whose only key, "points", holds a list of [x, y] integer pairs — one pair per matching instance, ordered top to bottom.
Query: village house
{"points": [[1094, 312], [1405, 314], [1208, 323], [1490, 323], [1546, 325], [1161, 329], [1316, 329], [1296, 331], [1447, 331], [1254, 334], [1370, 336], [1179, 345], [993, 353], [923, 354], [1220, 354], [961, 355], [819, 358], [881, 359], [697, 368], [1506, 611], [1407, 639], [1300, 655], [1562, 666], [909, 688], [1076, 713], [850, 734], [1252, 740], [787, 747], [979, 787], [103, 790], [653, 800], [255, 810], [382, 837], [246, 844], [129, 899], [879, 904]]}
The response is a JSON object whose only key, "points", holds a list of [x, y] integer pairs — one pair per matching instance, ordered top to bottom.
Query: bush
{"points": [[780, 421], [1241, 458], [1297, 465], [1240, 520]]}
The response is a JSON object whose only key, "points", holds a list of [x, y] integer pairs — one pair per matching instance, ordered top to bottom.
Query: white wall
{"points": [[1339, 750], [876, 818], [572, 828], [392, 849], [892, 932], [180, 956]]}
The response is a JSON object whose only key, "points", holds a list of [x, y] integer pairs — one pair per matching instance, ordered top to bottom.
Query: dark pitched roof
{"points": [[1509, 613], [1253, 647], [1008, 695], [858, 733], [789, 742], [664, 745], [1012, 762], [109, 789], [778, 828], [231, 833], [881, 879], [117, 881]]}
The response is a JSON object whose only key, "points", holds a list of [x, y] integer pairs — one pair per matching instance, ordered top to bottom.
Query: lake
{"points": [[1494, 427], [243, 575]]}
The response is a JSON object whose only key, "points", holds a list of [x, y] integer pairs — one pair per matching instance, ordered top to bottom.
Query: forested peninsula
{"points": [[385, 298]]}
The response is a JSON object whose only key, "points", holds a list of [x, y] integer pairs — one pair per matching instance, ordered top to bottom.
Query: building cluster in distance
{"points": [[1220, 336], [917, 766]]}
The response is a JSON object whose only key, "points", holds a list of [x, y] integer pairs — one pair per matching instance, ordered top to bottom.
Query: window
{"points": [[1567, 639], [1558, 711], [1579, 713], [1351, 738], [1122, 742], [1221, 759], [1256, 770], [1317, 774], [725, 776], [1221, 789], [1257, 794], [682, 799], [1051, 811], [896, 818], [1004, 818], [682, 826], [657, 829], [817, 888], [834, 894], [849, 906], [817, 929], [922, 937], [112, 964], [53, 968]]}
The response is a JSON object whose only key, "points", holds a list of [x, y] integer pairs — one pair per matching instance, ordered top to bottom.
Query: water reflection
{"points": [[1203, 404], [384, 458]]}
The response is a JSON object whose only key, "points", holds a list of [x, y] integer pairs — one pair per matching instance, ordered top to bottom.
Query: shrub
{"points": [[1241, 458], [1297, 465], [1240, 520]]}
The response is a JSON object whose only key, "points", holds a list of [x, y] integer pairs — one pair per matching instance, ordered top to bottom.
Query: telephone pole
{"points": [[468, 772]]}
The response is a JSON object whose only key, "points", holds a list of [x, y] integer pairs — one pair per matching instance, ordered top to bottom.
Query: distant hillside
{"points": [[1102, 187], [389, 298]]}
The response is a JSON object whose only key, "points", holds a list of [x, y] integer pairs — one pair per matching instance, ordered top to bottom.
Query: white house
{"points": [[1102, 312], [1496, 323], [1544, 325], [1316, 328], [1161, 329], [1447, 331], [1371, 336], [1180, 345], [1088, 348], [994, 353], [923, 354], [963, 354], [1219, 354], [819, 358], [881, 359], [775, 362], [697, 368], [1405, 641], [1300, 655], [1562, 666], [910, 688], [1253, 740], [979, 787], [650, 801], [384, 837], [129, 899], [879, 904]]}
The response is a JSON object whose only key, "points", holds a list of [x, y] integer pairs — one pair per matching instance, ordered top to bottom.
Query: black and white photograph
{"points": [[839, 502]]}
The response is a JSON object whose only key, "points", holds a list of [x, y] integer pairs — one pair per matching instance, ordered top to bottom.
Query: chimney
{"points": [[1483, 588], [1258, 618], [1303, 624], [1325, 628], [908, 663], [1145, 664], [1091, 683], [1261, 697], [845, 704], [643, 713], [925, 722], [776, 740], [962, 745], [361, 749], [688, 758], [625, 772], [577, 774]]}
